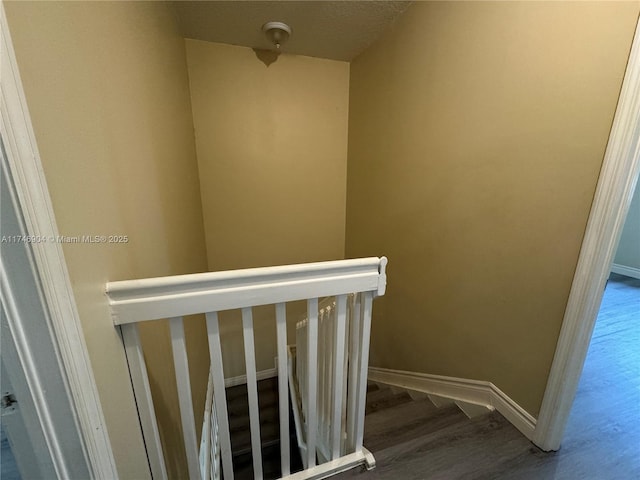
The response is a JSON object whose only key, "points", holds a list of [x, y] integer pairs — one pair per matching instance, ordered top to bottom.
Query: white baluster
{"points": [[365, 333], [298, 347], [304, 355], [181, 364], [354, 365], [217, 372], [328, 374], [338, 374], [322, 375], [345, 378], [312, 380], [252, 391], [142, 392], [283, 394], [206, 446]]}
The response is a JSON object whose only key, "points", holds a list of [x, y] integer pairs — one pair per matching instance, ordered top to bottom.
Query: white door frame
{"points": [[608, 212], [49, 265], [41, 424]]}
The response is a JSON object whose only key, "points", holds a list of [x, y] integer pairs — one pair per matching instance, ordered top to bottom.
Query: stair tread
{"points": [[239, 391], [264, 398], [383, 399], [269, 414], [408, 421], [242, 438], [438, 448]]}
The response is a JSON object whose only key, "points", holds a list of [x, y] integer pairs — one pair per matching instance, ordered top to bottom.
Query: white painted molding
{"points": [[31, 188], [614, 191], [627, 271], [181, 295], [242, 379], [475, 392], [37, 399], [472, 410], [333, 467]]}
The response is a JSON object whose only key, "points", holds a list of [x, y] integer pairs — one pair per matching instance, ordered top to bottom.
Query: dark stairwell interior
{"points": [[238, 407]]}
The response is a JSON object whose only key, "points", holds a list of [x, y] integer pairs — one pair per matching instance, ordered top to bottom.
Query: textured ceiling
{"points": [[339, 30]]}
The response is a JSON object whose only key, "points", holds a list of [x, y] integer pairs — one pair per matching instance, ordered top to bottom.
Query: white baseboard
{"points": [[627, 271], [242, 379], [470, 391]]}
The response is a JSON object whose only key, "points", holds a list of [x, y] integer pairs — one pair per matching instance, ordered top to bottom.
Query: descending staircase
{"points": [[238, 408], [395, 418], [397, 423], [412, 438]]}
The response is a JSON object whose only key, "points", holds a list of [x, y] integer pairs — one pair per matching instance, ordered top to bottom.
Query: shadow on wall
{"points": [[266, 56], [174, 454]]}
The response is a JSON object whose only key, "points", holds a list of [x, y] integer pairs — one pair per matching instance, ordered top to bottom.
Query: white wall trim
{"points": [[31, 188], [606, 220], [624, 270], [242, 379], [459, 389]]}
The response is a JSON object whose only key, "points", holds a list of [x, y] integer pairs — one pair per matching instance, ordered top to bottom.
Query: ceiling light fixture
{"points": [[277, 32]]}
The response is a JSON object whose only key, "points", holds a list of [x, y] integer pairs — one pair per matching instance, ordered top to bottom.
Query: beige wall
{"points": [[107, 88], [476, 134], [272, 151], [628, 252]]}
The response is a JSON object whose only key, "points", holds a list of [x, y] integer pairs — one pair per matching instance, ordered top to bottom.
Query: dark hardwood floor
{"points": [[602, 440], [8, 467]]}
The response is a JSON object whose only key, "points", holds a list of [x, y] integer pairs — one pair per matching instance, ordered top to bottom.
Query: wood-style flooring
{"points": [[411, 440], [8, 466]]}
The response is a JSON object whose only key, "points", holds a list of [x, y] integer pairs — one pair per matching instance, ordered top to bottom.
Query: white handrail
{"points": [[180, 295], [174, 297]]}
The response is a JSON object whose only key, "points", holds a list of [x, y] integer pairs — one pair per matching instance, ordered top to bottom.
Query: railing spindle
{"points": [[365, 333], [329, 342], [304, 356], [181, 364], [354, 364], [338, 374], [322, 378], [345, 379], [312, 380], [252, 391], [142, 392], [283, 393], [220, 397]]}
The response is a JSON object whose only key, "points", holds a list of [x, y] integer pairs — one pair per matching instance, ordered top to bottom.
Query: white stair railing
{"points": [[175, 297]]}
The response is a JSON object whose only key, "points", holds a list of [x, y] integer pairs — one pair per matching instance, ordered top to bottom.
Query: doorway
{"points": [[609, 209], [606, 410], [38, 416]]}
